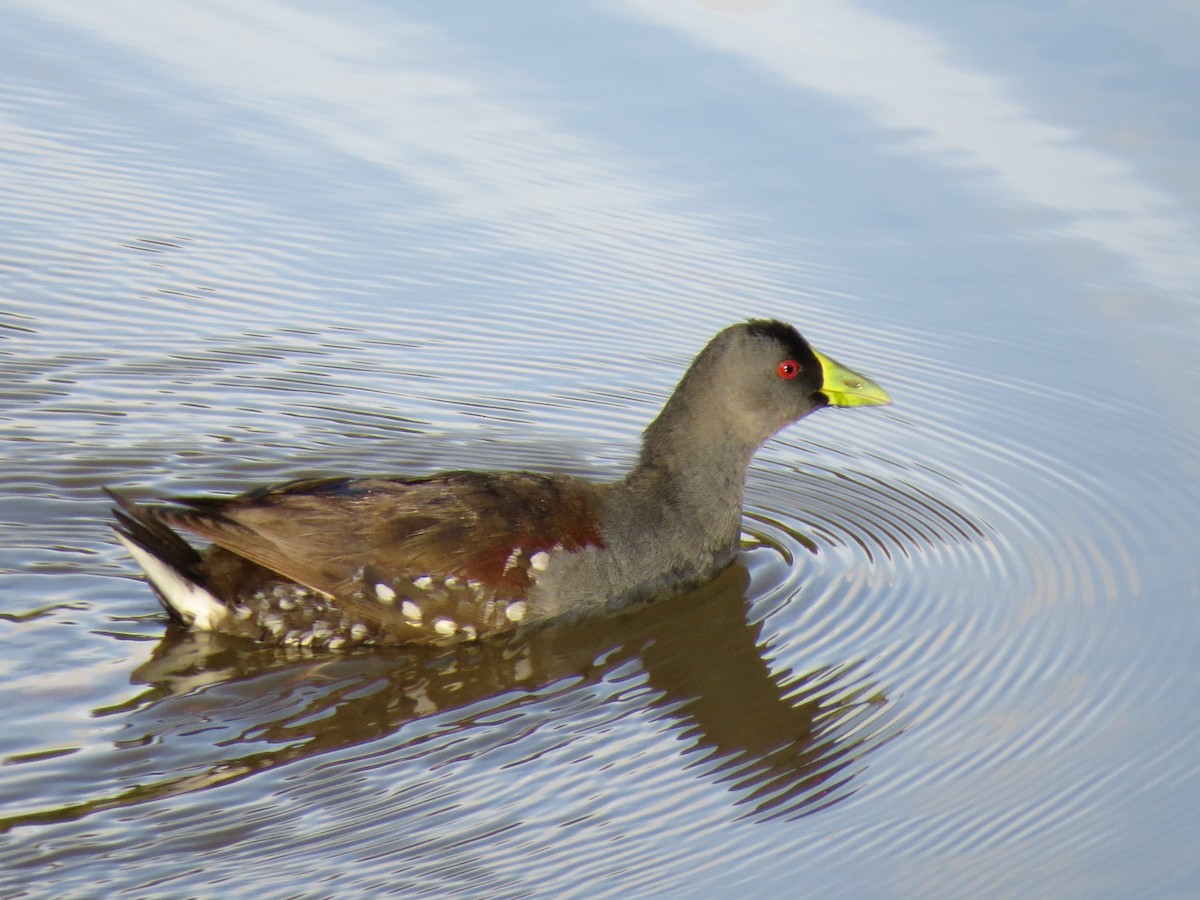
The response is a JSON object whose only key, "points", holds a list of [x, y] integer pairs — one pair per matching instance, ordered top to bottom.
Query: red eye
{"points": [[789, 368]]}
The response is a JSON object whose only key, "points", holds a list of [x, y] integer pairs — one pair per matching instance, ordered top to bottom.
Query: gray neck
{"points": [[695, 461], [673, 521]]}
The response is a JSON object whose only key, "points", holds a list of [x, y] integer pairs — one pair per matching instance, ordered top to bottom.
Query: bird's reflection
{"points": [[785, 744]]}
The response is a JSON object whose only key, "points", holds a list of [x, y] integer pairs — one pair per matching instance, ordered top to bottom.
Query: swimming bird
{"points": [[458, 556]]}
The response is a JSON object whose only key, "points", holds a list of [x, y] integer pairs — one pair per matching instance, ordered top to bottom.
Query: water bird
{"points": [[457, 556]]}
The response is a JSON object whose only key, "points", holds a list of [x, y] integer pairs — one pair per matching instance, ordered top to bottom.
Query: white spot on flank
{"points": [[539, 561], [423, 582], [451, 582], [384, 593], [195, 605], [411, 610], [515, 611], [445, 626], [358, 631], [469, 632], [336, 643]]}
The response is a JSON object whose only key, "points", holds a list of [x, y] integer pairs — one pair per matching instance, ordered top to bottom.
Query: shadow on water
{"points": [[784, 744]]}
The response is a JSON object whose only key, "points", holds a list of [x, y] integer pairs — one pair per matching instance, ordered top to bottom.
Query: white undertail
{"points": [[198, 608]]}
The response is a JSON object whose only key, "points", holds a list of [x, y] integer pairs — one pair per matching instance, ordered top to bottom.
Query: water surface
{"points": [[958, 655]]}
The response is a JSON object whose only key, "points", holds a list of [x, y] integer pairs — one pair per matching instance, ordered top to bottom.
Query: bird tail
{"points": [[172, 566]]}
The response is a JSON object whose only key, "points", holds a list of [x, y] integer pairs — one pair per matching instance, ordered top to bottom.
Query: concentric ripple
{"points": [[965, 568]]}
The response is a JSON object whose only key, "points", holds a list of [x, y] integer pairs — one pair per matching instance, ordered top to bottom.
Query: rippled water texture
{"points": [[243, 243]]}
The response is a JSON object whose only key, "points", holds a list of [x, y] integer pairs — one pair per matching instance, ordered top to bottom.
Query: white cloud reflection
{"points": [[904, 80], [389, 94]]}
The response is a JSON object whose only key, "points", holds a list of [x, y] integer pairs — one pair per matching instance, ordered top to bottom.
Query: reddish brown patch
{"points": [[490, 564]]}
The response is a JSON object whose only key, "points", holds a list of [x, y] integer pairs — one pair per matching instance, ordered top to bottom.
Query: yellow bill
{"points": [[846, 388]]}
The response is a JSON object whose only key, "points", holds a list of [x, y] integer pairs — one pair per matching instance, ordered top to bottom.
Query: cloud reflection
{"points": [[904, 79], [405, 98]]}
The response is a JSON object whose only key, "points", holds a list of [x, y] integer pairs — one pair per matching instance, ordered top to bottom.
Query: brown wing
{"points": [[335, 535]]}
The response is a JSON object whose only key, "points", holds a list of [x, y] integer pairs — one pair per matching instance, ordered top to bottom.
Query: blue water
{"points": [[247, 243]]}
